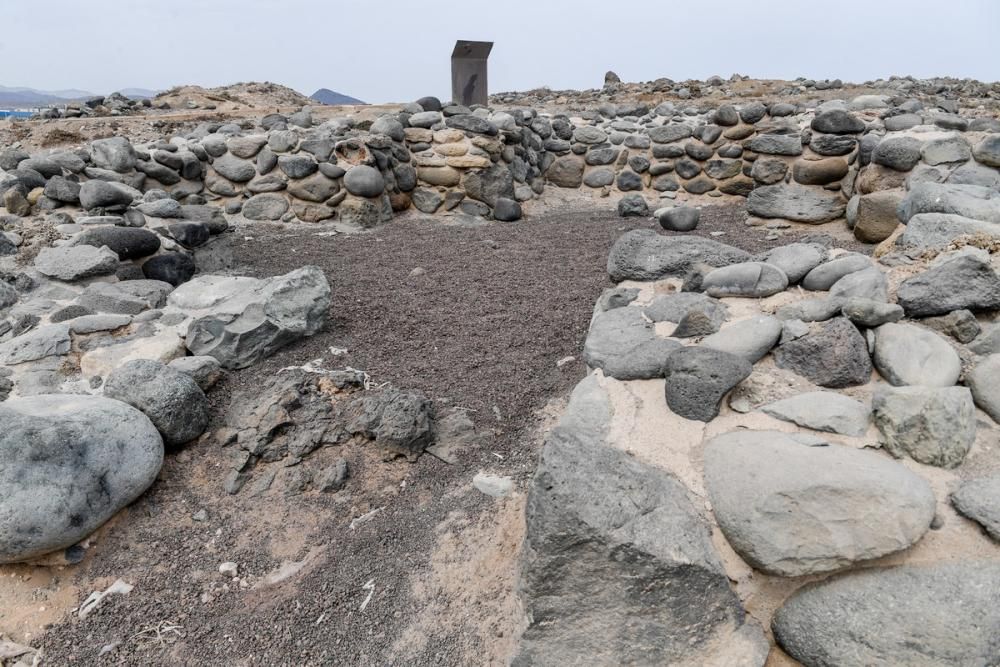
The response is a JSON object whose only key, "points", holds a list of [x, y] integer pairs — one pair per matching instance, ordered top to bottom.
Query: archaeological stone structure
{"points": [[775, 457]]}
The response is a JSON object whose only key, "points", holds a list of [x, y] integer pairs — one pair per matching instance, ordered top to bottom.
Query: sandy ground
{"points": [[482, 327]]}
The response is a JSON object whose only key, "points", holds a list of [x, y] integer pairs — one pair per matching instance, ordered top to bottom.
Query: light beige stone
{"points": [[418, 135], [448, 136], [452, 150], [468, 162], [445, 176], [162, 347]]}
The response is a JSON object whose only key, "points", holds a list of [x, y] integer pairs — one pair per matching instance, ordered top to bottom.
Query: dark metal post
{"points": [[468, 72]]}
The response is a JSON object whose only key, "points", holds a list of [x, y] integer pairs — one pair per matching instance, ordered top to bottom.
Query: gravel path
{"points": [[473, 316]]}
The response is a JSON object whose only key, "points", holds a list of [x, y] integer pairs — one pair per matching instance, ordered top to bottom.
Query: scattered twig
{"points": [[370, 587], [162, 634]]}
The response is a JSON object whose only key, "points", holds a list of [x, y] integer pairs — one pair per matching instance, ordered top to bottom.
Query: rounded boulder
{"points": [[172, 400]]}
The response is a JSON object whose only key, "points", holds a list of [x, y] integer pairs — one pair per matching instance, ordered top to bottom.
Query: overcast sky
{"points": [[398, 50]]}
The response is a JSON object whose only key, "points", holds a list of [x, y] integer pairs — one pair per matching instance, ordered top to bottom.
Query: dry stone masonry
{"points": [[826, 424], [790, 453]]}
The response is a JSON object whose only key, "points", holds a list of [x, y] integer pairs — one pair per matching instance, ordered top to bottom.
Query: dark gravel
{"points": [[482, 327]]}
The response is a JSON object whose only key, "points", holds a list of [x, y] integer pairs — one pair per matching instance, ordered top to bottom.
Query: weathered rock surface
{"points": [[796, 202], [643, 254], [71, 263], [746, 279], [966, 282], [242, 320], [751, 338], [624, 345], [906, 354], [834, 355], [698, 378], [982, 380], [172, 400], [822, 411], [932, 425], [69, 464], [979, 500], [792, 504], [618, 567], [941, 614]]}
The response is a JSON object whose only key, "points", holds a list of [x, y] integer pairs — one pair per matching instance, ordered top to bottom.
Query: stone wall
{"points": [[843, 159]]}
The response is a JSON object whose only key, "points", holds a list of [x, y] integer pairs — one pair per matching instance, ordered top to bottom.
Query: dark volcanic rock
{"points": [[834, 356], [699, 377], [615, 551]]}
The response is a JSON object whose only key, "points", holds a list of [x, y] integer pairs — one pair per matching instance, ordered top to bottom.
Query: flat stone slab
{"points": [[642, 254], [823, 411]]}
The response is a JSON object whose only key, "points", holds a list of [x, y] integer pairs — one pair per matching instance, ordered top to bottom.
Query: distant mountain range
{"points": [[327, 96], [30, 97]]}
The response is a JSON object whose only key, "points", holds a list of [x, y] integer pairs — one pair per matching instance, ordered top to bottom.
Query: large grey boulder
{"points": [[837, 121], [946, 150], [115, 153], [899, 153], [234, 168], [364, 181], [101, 194], [792, 201], [970, 201], [267, 206], [937, 230], [126, 242], [642, 254], [71, 263], [746, 279], [966, 282], [869, 283], [240, 321], [750, 339], [623, 344], [906, 354], [834, 355], [698, 378], [982, 380], [172, 400], [822, 411], [932, 425], [69, 464], [979, 500], [794, 504], [618, 567], [918, 615]]}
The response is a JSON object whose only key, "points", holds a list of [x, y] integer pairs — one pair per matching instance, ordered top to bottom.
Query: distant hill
{"points": [[327, 96], [30, 97]]}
